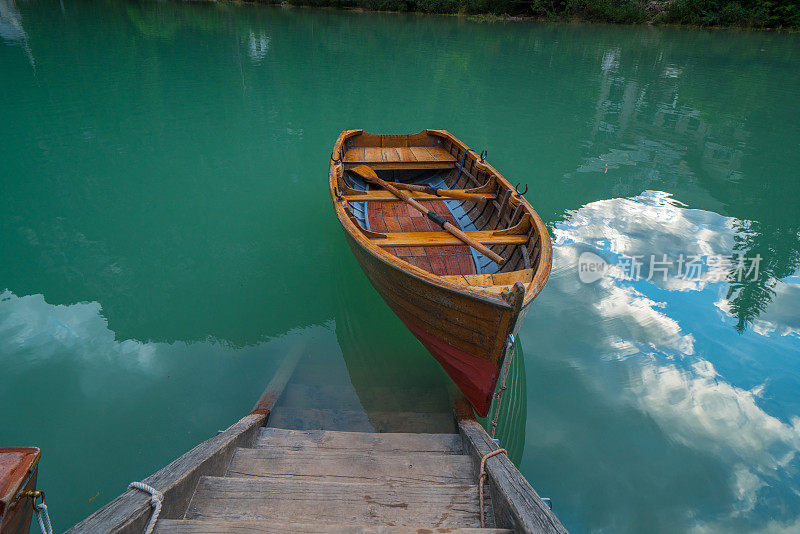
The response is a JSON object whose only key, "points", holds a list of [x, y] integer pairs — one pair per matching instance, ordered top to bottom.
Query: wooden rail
{"points": [[333, 480], [515, 503], [130, 512]]}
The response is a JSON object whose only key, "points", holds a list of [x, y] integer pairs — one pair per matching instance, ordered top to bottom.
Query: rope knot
{"points": [[156, 499]]}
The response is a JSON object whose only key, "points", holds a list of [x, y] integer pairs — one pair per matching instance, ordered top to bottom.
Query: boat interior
{"points": [[495, 216]]}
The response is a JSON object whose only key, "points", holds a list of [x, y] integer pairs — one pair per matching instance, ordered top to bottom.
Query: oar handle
{"points": [[368, 174], [452, 193], [483, 249]]}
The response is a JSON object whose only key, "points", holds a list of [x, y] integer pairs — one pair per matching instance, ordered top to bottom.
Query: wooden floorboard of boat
{"points": [[444, 254]]}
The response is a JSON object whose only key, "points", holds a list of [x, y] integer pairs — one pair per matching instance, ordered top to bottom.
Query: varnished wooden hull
{"points": [[467, 328], [461, 332], [18, 472]]}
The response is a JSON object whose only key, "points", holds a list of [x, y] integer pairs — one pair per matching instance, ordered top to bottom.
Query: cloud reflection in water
{"points": [[665, 352]]}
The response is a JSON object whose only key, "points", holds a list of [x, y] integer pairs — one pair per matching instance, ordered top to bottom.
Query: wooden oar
{"points": [[369, 175], [451, 193]]}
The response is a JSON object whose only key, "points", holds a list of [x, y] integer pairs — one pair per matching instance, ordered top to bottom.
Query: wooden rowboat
{"points": [[462, 305], [18, 470]]}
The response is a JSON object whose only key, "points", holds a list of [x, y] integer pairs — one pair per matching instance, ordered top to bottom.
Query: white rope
{"points": [[498, 396], [156, 498], [43, 518]]}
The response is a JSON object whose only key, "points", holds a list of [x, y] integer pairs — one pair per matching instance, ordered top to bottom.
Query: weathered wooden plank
{"points": [[421, 153], [354, 154], [373, 154], [389, 154], [406, 154], [440, 154], [315, 440], [362, 466], [244, 499], [516, 504], [130, 512], [188, 526]]}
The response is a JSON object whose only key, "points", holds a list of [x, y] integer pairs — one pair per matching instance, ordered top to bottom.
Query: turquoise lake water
{"points": [[166, 236]]}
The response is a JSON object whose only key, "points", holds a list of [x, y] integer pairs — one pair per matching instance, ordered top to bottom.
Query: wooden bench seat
{"points": [[404, 157], [428, 239]]}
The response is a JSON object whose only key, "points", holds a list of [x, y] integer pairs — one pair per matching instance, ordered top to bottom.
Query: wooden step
{"points": [[322, 373], [388, 374], [315, 395], [405, 399], [412, 399], [310, 419], [359, 421], [325, 440], [357, 466], [290, 501], [186, 526]]}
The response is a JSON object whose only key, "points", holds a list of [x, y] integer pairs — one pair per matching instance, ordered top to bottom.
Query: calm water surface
{"points": [[166, 236]]}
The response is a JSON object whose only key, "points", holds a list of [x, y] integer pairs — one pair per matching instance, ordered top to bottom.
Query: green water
{"points": [[166, 236]]}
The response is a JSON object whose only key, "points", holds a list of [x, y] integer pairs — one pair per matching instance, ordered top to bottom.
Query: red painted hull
{"points": [[433, 316], [475, 377]]}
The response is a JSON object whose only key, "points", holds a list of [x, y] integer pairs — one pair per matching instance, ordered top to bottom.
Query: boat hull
{"points": [[468, 336], [18, 472]]}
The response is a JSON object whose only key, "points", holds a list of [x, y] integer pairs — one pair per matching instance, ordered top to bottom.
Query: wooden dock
{"points": [[257, 479]]}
